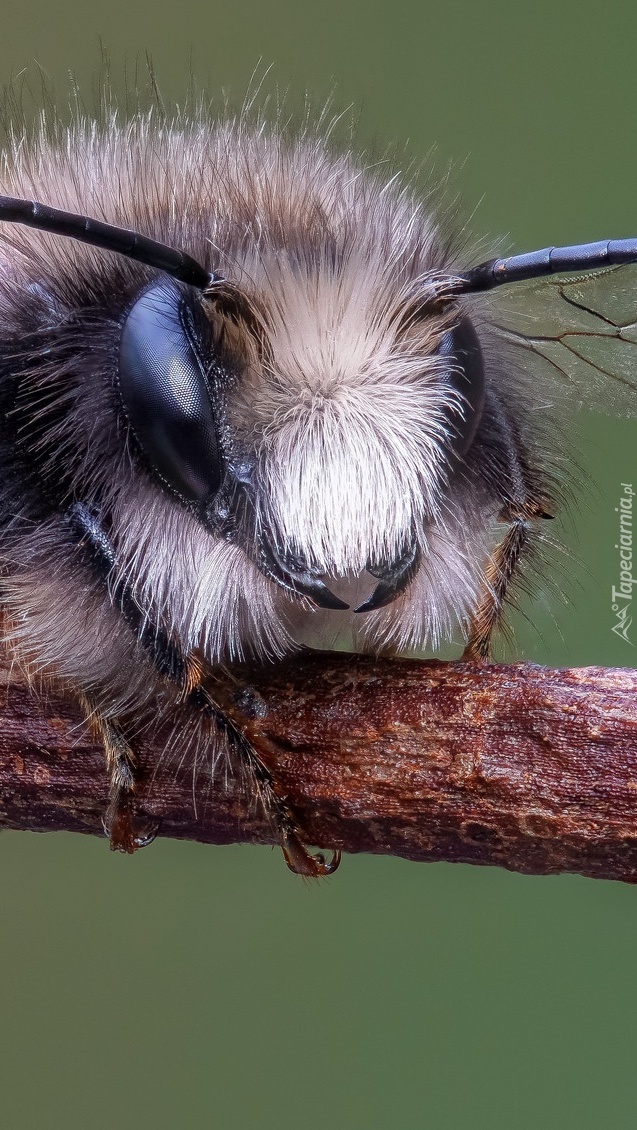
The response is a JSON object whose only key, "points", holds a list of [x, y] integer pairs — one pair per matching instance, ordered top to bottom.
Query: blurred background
{"points": [[194, 986]]}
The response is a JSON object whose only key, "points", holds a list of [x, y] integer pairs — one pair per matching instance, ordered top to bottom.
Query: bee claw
{"points": [[120, 829], [146, 839], [301, 861]]}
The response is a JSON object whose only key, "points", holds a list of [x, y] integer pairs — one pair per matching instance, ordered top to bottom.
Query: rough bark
{"points": [[520, 766]]}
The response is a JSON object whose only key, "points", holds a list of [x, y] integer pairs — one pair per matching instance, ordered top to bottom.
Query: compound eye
{"points": [[461, 347], [165, 367]]}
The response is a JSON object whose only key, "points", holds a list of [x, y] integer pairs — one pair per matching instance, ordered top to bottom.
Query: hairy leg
{"points": [[513, 476], [499, 573], [188, 672]]}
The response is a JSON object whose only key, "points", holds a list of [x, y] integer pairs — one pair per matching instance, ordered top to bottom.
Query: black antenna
{"points": [[123, 241], [548, 261]]}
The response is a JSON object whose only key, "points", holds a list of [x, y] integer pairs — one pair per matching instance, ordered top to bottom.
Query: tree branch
{"points": [[524, 767]]}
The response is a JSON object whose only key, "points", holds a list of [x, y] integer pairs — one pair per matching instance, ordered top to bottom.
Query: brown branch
{"points": [[521, 766]]}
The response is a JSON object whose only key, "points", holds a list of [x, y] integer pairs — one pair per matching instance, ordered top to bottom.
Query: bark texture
{"points": [[520, 766]]}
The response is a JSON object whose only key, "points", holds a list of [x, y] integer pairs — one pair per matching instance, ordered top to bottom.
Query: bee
{"points": [[255, 401]]}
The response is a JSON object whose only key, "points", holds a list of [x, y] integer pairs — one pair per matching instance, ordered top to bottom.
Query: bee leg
{"points": [[514, 477], [499, 572], [487, 614], [187, 672], [119, 821], [297, 856]]}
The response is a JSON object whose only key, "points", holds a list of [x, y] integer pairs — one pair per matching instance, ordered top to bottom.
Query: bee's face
{"points": [[318, 433]]}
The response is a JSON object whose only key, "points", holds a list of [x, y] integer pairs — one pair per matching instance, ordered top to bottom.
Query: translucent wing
{"points": [[579, 331]]}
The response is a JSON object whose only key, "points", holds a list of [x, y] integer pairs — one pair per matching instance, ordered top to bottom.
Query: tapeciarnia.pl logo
{"points": [[622, 595]]}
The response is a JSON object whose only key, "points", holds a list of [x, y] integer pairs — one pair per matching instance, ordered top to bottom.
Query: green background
{"points": [[195, 986]]}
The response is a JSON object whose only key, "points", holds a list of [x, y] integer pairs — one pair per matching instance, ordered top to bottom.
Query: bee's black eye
{"points": [[461, 347], [165, 367]]}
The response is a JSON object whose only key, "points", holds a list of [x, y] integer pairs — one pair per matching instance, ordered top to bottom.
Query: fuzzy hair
{"points": [[341, 398]]}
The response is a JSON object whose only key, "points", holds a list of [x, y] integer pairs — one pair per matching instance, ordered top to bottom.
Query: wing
{"points": [[579, 331]]}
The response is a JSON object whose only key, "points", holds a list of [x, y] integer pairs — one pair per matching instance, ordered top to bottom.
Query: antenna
{"points": [[122, 241], [548, 261]]}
